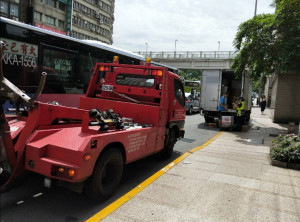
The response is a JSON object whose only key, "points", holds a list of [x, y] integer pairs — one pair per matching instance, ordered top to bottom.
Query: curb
{"points": [[295, 166]]}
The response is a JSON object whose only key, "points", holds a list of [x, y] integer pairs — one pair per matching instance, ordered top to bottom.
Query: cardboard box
{"points": [[212, 125], [245, 128]]}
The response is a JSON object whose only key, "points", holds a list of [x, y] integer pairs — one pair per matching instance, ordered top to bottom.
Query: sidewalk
{"points": [[231, 179]]}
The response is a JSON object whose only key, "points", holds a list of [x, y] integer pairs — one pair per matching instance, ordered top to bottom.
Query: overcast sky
{"points": [[198, 25]]}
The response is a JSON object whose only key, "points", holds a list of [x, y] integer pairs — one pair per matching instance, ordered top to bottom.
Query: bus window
{"points": [[86, 68], [62, 78]]}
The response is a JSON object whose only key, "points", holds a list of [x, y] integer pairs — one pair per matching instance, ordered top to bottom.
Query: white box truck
{"points": [[214, 83]]}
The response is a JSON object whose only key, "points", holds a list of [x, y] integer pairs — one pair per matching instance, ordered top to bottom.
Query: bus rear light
{"points": [[116, 59]]}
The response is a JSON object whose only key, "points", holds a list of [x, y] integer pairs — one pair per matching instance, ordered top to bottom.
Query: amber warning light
{"points": [[116, 59], [148, 61]]}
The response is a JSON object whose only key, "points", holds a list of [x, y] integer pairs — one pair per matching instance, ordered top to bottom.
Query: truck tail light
{"points": [[105, 69], [157, 72], [87, 157], [61, 170], [64, 172], [71, 172]]}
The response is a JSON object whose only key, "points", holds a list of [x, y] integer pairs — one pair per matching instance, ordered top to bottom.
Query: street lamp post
{"points": [[255, 8], [146, 48], [175, 48]]}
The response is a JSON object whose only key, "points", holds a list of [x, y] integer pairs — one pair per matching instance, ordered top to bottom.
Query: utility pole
{"points": [[255, 8], [146, 48], [175, 49]]}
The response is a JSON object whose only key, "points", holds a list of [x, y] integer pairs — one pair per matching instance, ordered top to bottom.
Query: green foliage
{"points": [[270, 42], [190, 74], [286, 148]]}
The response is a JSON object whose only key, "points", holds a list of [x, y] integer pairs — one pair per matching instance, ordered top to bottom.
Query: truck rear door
{"points": [[210, 89]]}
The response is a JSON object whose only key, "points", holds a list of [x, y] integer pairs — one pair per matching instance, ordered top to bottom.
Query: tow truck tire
{"points": [[169, 145], [106, 176]]}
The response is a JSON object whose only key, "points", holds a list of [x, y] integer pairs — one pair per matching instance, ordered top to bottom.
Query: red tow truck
{"points": [[129, 112]]}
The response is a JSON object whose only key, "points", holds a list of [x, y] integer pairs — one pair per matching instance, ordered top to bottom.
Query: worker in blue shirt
{"points": [[222, 103]]}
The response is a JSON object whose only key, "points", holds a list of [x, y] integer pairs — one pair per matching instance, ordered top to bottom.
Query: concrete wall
{"points": [[286, 98]]}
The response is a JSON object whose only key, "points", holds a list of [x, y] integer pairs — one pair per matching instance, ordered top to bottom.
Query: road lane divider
{"points": [[119, 202]]}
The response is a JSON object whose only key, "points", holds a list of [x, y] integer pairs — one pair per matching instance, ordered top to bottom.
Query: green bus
{"points": [[190, 84]]}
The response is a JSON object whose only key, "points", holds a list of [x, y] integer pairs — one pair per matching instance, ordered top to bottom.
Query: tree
{"points": [[270, 43], [190, 74]]}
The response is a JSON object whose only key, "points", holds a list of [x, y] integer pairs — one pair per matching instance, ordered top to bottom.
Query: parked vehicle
{"points": [[214, 83], [192, 104], [129, 112]]}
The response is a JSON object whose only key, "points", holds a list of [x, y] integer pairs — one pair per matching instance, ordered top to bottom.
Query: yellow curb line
{"points": [[115, 205]]}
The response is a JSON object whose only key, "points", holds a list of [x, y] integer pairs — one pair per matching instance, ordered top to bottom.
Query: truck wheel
{"points": [[190, 110], [208, 119], [169, 145], [106, 176]]}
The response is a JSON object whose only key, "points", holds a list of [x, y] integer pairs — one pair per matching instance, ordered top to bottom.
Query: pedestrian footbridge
{"points": [[193, 59]]}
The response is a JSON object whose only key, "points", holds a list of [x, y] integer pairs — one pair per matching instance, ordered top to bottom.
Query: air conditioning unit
{"points": [[100, 3], [84, 10], [78, 14], [97, 16], [15, 19], [100, 21], [93, 29], [97, 30]]}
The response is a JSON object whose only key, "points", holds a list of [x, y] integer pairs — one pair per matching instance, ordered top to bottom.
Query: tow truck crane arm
{"points": [[10, 160]]}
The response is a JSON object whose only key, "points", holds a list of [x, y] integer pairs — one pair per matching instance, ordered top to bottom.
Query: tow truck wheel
{"points": [[169, 145], [106, 176]]}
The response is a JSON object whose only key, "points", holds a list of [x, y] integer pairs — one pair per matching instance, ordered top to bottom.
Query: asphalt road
{"points": [[31, 202]]}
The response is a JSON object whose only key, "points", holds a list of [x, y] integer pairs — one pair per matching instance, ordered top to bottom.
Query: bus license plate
{"points": [[107, 88]]}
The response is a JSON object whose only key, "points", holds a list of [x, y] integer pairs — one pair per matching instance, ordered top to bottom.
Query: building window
{"points": [[50, 2], [62, 6], [4, 7], [14, 10], [38, 16], [50, 20], [61, 24]]}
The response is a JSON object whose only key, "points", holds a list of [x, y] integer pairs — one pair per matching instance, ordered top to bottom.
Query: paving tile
{"points": [[235, 180], [284, 190], [144, 209], [263, 215]]}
